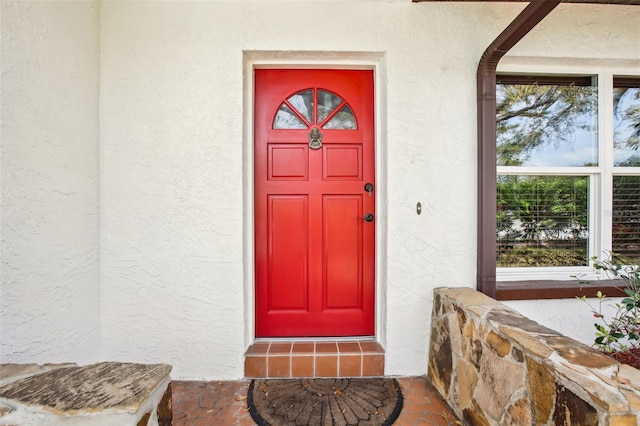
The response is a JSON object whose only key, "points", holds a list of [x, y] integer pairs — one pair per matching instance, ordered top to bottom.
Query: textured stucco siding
{"points": [[585, 31], [172, 115], [173, 143], [175, 172], [49, 276]]}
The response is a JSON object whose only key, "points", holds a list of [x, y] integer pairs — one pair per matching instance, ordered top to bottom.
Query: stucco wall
{"points": [[172, 113], [175, 224], [49, 277], [571, 317]]}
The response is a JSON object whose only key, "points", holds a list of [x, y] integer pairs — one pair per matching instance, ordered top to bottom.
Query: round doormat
{"points": [[326, 402]]}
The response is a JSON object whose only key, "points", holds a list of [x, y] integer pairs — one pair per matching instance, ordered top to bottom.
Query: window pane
{"points": [[327, 102], [303, 103], [285, 119], [344, 119], [626, 122], [542, 123], [626, 218], [542, 220]]}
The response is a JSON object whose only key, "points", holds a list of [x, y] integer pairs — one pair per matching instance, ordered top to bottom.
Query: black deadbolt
{"points": [[368, 187], [368, 217]]}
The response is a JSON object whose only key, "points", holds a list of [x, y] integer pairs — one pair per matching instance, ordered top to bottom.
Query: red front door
{"points": [[314, 203]]}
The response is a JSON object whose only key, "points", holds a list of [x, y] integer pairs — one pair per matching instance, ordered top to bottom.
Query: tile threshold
{"points": [[287, 358]]}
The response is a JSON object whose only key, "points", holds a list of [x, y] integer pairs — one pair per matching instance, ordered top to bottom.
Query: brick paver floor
{"points": [[225, 403]]}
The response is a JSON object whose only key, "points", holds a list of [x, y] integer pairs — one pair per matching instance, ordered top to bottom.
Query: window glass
{"points": [[302, 103], [327, 103], [298, 112], [286, 119], [344, 119], [546, 122], [626, 122], [558, 203], [626, 218], [542, 220]]}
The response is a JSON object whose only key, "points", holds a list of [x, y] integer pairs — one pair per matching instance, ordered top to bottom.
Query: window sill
{"points": [[549, 289]]}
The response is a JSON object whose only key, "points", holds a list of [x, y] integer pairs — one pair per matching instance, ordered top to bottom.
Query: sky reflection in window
{"points": [[548, 125]]}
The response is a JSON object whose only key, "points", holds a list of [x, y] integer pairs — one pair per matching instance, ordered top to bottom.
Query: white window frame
{"points": [[600, 177]]}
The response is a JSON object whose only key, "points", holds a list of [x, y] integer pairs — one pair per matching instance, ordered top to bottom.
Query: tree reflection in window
{"points": [[327, 103], [287, 119], [343, 119], [626, 121], [546, 122], [546, 125], [547, 157], [626, 188]]}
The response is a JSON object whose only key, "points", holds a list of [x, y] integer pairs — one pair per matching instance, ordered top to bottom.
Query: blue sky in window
{"points": [[579, 149]]}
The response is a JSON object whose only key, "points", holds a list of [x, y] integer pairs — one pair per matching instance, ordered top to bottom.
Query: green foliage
{"points": [[542, 220], [541, 256], [621, 330]]}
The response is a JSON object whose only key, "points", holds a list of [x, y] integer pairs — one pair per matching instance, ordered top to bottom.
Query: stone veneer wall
{"points": [[496, 367]]}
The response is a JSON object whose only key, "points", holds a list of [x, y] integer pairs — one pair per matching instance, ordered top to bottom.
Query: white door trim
{"points": [[304, 59]]}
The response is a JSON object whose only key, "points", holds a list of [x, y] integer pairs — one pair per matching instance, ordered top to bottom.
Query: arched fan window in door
{"points": [[315, 107]]}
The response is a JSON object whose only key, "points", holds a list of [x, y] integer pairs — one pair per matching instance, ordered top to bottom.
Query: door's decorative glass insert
{"points": [[303, 103], [327, 103], [299, 111], [293, 113], [286, 119], [344, 119], [626, 121], [552, 124], [626, 218], [542, 220]]}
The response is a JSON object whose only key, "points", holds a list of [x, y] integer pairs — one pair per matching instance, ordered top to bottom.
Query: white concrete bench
{"points": [[107, 393]]}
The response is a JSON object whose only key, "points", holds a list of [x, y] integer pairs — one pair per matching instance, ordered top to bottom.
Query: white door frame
{"points": [[303, 59]]}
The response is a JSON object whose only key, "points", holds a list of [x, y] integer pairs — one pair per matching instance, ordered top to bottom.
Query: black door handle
{"points": [[367, 217]]}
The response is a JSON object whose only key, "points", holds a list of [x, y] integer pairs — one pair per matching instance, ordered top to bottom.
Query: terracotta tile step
{"points": [[322, 358]]}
